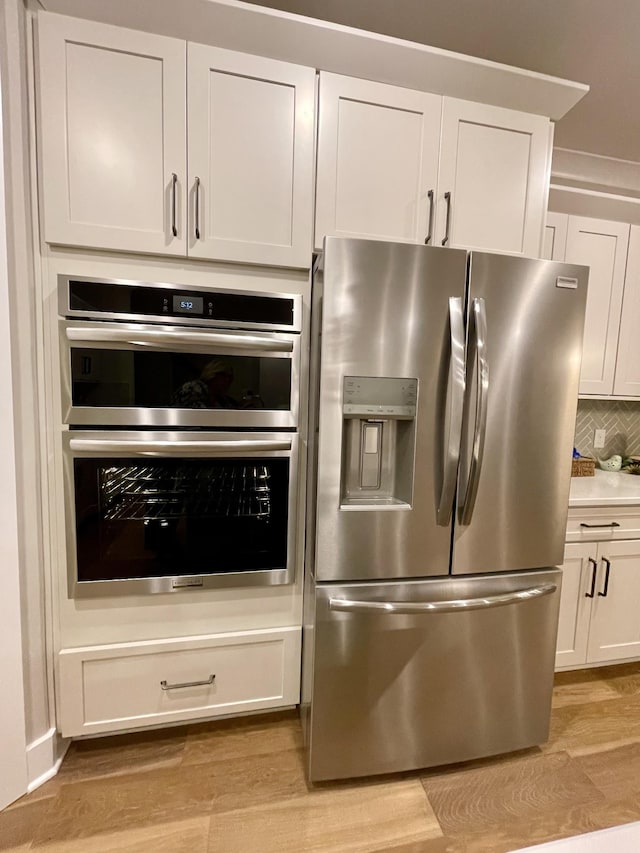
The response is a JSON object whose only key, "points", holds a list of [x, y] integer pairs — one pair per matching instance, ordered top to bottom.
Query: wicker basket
{"points": [[583, 467]]}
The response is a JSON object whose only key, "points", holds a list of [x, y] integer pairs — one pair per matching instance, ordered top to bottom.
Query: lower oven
{"points": [[152, 512]]}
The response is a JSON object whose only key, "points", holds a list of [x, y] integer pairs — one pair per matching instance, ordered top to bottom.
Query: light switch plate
{"points": [[599, 437]]}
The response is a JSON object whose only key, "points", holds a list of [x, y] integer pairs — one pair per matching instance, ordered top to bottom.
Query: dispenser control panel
{"points": [[379, 396]]}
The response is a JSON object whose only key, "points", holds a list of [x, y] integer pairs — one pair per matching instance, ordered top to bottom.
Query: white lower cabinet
{"points": [[600, 602], [125, 686]]}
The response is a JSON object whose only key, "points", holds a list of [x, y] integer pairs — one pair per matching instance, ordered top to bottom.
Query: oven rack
{"points": [[150, 509]]}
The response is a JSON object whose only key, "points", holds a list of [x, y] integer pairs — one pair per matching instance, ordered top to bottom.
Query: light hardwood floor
{"points": [[238, 786]]}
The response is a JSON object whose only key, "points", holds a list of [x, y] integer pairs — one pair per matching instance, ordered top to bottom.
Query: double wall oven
{"points": [[181, 450]]}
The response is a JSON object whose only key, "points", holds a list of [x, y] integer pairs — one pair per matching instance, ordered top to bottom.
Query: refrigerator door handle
{"points": [[478, 317], [455, 389], [346, 605]]}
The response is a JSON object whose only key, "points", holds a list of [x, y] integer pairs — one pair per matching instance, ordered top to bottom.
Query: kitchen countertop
{"points": [[605, 488]]}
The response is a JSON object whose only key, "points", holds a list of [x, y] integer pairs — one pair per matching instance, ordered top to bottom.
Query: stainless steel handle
{"points": [[174, 182], [447, 198], [197, 205], [427, 239], [479, 324], [164, 338], [456, 405], [133, 447], [610, 524], [594, 565], [606, 577], [346, 605], [166, 686]]}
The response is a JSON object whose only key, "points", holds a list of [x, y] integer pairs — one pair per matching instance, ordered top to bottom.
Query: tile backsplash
{"points": [[621, 420]]}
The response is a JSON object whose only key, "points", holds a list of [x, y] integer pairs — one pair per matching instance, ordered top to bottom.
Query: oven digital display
{"points": [[188, 304]]}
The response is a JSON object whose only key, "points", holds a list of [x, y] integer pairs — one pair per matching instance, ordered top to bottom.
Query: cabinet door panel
{"points": [[112, 107], [251, 126], [377, 160], [494, 162], [554, 240], [602, 246], [627, 378], [575, 606], [615, 618]]}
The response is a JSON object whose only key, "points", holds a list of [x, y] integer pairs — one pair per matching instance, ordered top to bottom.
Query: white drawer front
{"points": [[605, 524], [110, 688]]}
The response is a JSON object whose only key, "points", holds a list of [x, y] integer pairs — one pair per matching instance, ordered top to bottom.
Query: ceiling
{"points": [[589, 41]]}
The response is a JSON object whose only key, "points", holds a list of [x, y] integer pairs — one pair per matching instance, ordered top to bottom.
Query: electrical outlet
{"points": [[599, 437]]}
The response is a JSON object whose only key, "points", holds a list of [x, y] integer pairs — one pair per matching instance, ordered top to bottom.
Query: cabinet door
{"points": [[112, 119], [251, 123], [377, 160], [494, 163], [554, 240], [602, 246], [627, 376], [575, 605], [615, 615]]}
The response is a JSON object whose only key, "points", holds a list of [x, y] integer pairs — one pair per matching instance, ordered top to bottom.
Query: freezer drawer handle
{"points": [[151, 337], [456, 391], [173, 448], [610, 524], [408, 607], [166, 686]]}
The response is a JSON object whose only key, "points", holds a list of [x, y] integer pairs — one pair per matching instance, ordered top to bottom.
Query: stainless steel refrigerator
{"points": [[443, 402]]}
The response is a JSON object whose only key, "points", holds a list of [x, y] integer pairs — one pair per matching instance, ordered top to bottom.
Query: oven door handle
{"points": [[164, 338], [177, 448]]}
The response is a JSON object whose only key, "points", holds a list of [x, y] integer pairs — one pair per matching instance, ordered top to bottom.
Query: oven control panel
{"points": [[121, 300]]}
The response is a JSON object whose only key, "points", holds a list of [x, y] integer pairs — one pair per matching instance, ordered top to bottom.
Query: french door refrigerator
{"points": [[444, 394]]}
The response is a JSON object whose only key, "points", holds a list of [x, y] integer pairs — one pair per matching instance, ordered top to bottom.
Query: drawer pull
{"points": [[610, 524], [594, 564], [606, 577], [166, 686]]}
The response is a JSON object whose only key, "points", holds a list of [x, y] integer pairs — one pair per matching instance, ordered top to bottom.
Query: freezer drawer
{"points": [[423, 673]]}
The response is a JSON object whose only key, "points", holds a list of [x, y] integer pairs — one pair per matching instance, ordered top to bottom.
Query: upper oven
{"points": [[164, 355]]}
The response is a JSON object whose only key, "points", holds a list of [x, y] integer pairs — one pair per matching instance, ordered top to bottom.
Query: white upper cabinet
{"points": [[113, 129], [112, 132], [251, 136], [378, 151], [398, 164], [493, 178], [554, 241], [602, 246], [627, 378]]}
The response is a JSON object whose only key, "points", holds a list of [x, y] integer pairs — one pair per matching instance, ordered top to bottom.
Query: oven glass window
{"points": [[124, 378], [169, 517]]}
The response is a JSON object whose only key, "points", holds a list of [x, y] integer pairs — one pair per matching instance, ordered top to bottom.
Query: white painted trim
{"points": [[332, 47], [44, 757], [13, 779]]}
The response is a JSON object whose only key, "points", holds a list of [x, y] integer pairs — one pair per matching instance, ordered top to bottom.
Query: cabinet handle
{"points": [[174, 183], [447, 198], [197, 200], [427, 239], [610, 524], [606, 577], [593, 578], [166, 686]]}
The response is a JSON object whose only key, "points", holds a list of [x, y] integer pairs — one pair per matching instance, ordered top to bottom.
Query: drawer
{"points": [[603, 524], [132, 685]]}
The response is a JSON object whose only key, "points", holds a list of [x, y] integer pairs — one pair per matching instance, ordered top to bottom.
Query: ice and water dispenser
{"points": [[378, 441]]}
